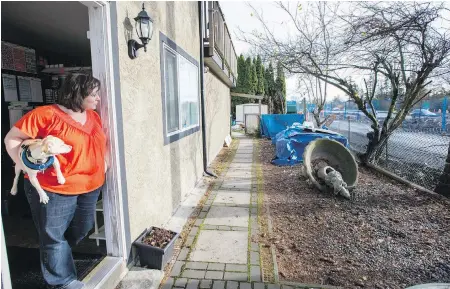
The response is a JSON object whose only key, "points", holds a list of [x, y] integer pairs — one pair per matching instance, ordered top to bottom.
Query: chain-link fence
{"points": [[416, 151]]}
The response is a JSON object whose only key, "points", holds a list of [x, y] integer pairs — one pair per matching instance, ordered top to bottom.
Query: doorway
{"points": [[41, 43]]}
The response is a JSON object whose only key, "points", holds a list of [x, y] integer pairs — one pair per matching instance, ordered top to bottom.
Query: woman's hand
{"points": [[12, 144]]}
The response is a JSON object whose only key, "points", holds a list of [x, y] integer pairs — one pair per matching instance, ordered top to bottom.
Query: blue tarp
{"points": [[271, 124], [291, 143]]}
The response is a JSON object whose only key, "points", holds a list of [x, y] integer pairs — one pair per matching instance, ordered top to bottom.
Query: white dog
{"points": [[37, 155]]}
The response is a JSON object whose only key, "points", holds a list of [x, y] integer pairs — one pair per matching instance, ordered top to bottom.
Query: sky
{"points": [[238, 15]]}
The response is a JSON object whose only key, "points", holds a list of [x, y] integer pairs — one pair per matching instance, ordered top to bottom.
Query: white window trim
{"points": [[180, 129]]}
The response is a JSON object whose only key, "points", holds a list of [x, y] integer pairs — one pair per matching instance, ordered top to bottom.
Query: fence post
{"points": [[345, 110], [444, 115], [349, 130]]}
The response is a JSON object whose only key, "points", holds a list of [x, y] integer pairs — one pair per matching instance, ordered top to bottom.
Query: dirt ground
{"points": [[390, 236]]}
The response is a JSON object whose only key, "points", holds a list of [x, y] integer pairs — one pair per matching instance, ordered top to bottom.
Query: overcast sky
{"points": [[239, 15]]}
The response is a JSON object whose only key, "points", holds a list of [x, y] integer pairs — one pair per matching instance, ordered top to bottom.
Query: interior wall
{"points": [[56, 26], [57, 31], [218, 109], [158, 176]]}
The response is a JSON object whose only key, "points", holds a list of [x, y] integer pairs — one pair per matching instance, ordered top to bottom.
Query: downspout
{"points": [[202, 92]]}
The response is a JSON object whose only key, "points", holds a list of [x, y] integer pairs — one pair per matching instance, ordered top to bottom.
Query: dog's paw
{"points": [[61, 180], [13, 191], [44, 199]]}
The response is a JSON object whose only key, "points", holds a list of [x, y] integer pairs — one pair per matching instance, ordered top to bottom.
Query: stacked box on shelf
{"points": [[7, 56], [19, 58], [30, 58]]}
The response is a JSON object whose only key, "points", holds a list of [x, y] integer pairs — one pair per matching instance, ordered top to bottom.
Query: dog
{"points": [[37, 155]]}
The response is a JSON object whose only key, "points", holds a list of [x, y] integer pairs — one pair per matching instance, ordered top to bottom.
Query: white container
{"points": [[249, 108]]}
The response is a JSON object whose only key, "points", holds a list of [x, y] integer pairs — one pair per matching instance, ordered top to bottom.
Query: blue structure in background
{"points": [[291, 106], [444, 114], [271, 124], [291, 143]]}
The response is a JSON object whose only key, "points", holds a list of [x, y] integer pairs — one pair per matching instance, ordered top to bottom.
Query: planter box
{"points": [[153, 257]]}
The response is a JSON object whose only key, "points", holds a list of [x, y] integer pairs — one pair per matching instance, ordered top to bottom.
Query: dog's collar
{"points": [[28, 161]]}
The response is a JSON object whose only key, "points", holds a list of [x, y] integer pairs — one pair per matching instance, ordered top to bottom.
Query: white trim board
{"points": [[101, 54]]}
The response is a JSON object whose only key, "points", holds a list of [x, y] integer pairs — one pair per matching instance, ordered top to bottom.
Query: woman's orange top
{"points": [[84, 166]]}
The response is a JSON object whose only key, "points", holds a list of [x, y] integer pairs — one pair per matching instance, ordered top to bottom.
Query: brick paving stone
{"points": [[205, 208], [202, 215], [198, 223], [210, 227], [239, 229], [193, 231], [189, 241], [255, 246], [183, 254], [254, 258], [196, 265], [216, 266], [236, 268], [176, 269], [196, 274], [255, 274], [215, 275], [235, 276], [180, 282], [168, 284], [192, 284], [205, 284], [219, 285], [232, 285], [244, 285], [259, 286], [273, 286], [287, 287]]}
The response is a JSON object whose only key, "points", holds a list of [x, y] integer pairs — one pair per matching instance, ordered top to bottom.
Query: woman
{"points": [[69, 214]]}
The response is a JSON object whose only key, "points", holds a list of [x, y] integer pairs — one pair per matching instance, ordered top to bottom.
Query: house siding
{"points": [[218, 106], [159, 176]]}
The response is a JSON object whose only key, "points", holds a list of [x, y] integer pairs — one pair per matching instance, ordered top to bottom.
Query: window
{"points": [[180, 91]]}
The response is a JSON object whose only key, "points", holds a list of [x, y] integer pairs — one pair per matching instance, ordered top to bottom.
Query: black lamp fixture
{"points": [[144, 30]]}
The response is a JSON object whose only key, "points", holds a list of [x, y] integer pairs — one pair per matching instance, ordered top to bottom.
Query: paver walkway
{"points": [[219, 253]]}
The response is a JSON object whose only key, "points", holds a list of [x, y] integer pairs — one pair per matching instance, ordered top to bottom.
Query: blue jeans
{"points": [[61, 223]]}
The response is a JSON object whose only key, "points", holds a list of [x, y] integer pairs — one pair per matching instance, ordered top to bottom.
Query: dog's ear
{"points": [[45, 147]]}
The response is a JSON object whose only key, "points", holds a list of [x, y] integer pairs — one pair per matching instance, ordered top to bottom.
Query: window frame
{"points": [[172, 47]]}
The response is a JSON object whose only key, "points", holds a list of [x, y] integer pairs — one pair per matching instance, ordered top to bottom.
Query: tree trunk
{"points": [[317, 119], [375, 147], [443, 187]]}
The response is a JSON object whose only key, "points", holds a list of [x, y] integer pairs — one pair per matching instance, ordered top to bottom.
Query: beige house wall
{"points": [[217, 102], [158, 176]]}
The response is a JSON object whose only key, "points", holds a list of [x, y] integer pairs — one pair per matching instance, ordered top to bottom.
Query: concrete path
{"points": [[219, 253]]}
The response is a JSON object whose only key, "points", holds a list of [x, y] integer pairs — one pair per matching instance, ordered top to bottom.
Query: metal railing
{"points": [[217, 37]]}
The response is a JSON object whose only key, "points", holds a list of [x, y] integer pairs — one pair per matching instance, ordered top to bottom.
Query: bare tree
{"points": [[399, 41], [316, 92]]}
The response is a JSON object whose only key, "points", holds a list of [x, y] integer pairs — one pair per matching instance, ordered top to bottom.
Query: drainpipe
{"points": [[202, 92]]}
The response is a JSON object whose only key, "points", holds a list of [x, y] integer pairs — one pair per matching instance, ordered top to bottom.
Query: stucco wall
{"points": [[217, 102], [158, 175]]}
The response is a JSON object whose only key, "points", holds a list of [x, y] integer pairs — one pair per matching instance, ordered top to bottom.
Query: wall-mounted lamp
{"points": [[144, 30]]}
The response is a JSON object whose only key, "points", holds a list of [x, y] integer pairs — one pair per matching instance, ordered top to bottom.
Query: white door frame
{"points": [[102, 68], [112, 269], [6, 278]]}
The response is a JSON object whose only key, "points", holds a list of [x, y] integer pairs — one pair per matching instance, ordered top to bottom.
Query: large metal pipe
{"points": [[202, 89]]}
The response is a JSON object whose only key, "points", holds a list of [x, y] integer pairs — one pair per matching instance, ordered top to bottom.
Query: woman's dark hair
{"points": [[75, 89]]}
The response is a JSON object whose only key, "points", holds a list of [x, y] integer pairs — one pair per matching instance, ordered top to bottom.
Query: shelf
{"points": [[64, 70], [20, 73], [100, 235]]}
